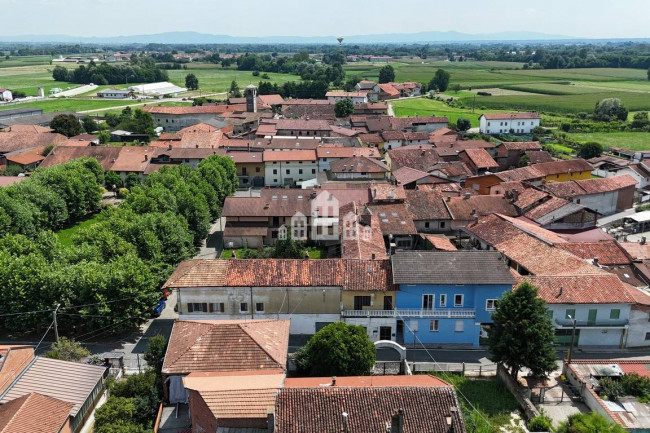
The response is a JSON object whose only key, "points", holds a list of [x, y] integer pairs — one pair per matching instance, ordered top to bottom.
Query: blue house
{"points": [[447, 297]]}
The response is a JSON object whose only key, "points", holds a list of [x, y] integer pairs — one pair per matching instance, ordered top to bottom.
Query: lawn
{"points": [[215, 79], [77, 104], [431, 107], [628, 140], [65, 235], [314, 253], [490, 397]]}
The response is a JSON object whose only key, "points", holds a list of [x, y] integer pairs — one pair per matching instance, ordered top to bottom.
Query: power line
{"points": [[63, 308], [27, 312]]}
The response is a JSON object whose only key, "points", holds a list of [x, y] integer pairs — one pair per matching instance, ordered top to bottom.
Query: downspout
{"points": [[252, 306]]}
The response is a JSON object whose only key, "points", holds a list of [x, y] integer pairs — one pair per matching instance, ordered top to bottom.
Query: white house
{"points": [[371, 87], [5, 95], [356, 97], [501, 123], [287, 167]]}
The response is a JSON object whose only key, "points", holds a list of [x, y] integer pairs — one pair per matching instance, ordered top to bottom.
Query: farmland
{"points": [[429, 107], [628, 140]]}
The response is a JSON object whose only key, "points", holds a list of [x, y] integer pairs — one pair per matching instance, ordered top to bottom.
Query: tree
{"points": [[60, 74], [386, 74], [648, 74], [440, 81], [191, 82], [456, 88], [234, 91], [344, 107], [610, 108], [640, 120], [66, 124], [463, 124], [89, 125], [104, 137], [590, 150], [287, 248], [522, 333], [338, 349], [67, 350], [155, 353], [118, 411], [589, 423]]}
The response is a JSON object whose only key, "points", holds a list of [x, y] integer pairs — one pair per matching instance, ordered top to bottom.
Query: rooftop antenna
{"points": [[340, 41]]}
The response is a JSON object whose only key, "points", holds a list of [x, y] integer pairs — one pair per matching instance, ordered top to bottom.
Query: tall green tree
{"points": [[386, 74], [440, 81], [191, 82], [234, 91], [344, 107], [609, 109], [66, 124], [463, 124], [590, 150], [287, 248], [522, 333], [339, 349], [67, 350], [589, 423]]}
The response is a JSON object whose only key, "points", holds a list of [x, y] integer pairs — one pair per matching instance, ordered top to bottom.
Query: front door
{"points": [[385, 332], [400, 332]]}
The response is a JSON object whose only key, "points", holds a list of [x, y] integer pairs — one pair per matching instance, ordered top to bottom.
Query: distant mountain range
{"points": [[203, 38]]}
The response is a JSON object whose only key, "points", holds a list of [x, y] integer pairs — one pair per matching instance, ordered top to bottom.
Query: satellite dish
{"points": [[340, 40]]}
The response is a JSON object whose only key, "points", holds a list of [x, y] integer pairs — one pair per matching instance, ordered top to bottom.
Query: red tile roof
{"points": [[390, 90], [302, 125], [13, 141], [521, 145], [346, 152], [289, 155], [27, 157], [422, 157], [480, 158], [358, 164], [405, 175], [387, 192], [425, 205], [465, 209], [394, 218], [360, 241], [440, 242], [607, 252], [348, 274], [581, 289], [226, 345], [13, 362], [425, 381], [34, 413]]}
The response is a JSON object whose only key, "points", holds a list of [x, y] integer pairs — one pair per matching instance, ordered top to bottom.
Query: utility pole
{"points": [[56, 328]]}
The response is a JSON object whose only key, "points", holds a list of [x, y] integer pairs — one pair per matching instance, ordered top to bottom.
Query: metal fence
{"points": [[466, 369]]}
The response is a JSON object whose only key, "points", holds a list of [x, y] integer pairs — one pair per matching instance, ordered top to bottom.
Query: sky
{"points": [[576, 18]]}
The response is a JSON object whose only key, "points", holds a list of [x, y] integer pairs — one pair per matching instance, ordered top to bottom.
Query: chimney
{"points": [[197, 146], [169, 147], [146, 157], [515, 194], [467, 196], [448, 198], [473, 212], [475, 220], [642, 240], [373, 256], [595, 261], [561, 291], [333, 380], [270, 420], [345, 422], [397, 422]]}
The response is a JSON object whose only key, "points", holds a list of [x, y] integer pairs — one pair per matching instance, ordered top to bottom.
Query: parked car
{"points": [[159, 308]]}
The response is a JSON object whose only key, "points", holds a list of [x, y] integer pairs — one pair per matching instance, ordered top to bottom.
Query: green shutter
{"points": [[570, 312], [614, 313]]}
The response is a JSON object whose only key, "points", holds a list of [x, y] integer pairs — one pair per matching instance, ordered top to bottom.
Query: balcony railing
{"points": [[444, 313], [603, 323]]}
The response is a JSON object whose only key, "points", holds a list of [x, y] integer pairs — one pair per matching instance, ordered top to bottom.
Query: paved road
{"points": [[213, 245]]}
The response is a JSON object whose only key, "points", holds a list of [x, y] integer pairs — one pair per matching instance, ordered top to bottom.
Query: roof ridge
{"points": [[244, 327], [189, 347]]}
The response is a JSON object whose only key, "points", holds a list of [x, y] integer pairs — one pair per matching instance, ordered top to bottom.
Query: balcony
{"points": [[403, 313], [603, 323]]}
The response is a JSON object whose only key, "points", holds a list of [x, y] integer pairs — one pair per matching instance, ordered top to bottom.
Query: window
{"points": [[489, 123], [257, 169], [244, 171], [275, 171], [288, 171], [300, 171], [313, 171], [275, 181], [426, 225], [442, 225], [274, 235], [443, 300], [458, 300], [361, 301], [427, 302], [491, 304], [197, 307], [217, 307], [243, 307], [259, 307], [570, 312], [614, 313], [550, 314], [433, 325], [460, 326], [647, 336]]}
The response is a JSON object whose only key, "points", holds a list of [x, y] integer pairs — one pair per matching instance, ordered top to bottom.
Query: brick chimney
{"points": [[397, 422]]}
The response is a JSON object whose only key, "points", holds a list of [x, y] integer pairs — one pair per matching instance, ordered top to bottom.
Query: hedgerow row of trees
{"points": [[141, 70], [109, 278]]}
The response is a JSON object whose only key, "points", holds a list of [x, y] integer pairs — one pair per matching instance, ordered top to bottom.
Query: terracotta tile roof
{"points": [[390, 90], [341, 94], [236, 100], [269, 100], [298, 101], [198, 109], [510, 116], [302, 125], [199, 127], [34, 129], [344, 131], [445, 131], [393, 135], [415, 136], [371, 138], [201, 140], [13, 141], [77, 143], [521, 145], [192, 152], [346, 152], [62, 154], [290, 155], [539, 156], [26, 157], [246, 157], [421, 158], [480, 158], [133, 159], [358, 164], [559, 167], [456, 169], [520, 174], [405, 175], [10, 180], [387, 192], [529, 197], [427, 205], [550, 206], [465, 209], [394, 218], [496, 228], [360, 241], [440, 242], [637, 250], [607, 252], [348, 274], [581, 289], [224, 345], [13, 360], [641, 369], [423, 381], [71, 382], [319, 409], [34, 413]]}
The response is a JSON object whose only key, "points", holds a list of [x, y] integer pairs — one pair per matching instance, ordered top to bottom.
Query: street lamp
{"points": [[573, 334]]}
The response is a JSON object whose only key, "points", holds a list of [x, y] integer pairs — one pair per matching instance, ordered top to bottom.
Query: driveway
{"points": [[213, 245]]}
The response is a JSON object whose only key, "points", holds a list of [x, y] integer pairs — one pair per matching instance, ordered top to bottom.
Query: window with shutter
{"points": [[190, 307]]}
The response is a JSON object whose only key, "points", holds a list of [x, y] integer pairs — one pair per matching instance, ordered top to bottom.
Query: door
{"points": [[388, 302], [591, 319], [384, 332], [400, 332]]}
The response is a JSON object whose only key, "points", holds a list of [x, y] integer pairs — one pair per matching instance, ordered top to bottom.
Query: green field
{"points": [[77, 104], [430, 107], [628, 140], [65, 235]]}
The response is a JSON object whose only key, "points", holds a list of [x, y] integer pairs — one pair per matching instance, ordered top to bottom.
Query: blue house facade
{"points": [[447, 297]]}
